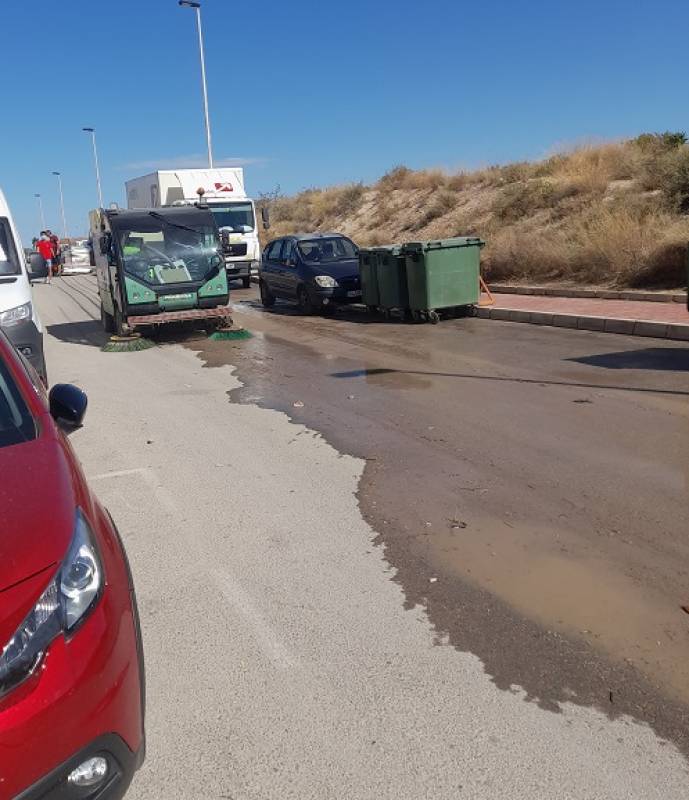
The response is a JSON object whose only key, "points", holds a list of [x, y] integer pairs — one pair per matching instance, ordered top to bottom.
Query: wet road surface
{"points": [[530, 486], [466, 607]]}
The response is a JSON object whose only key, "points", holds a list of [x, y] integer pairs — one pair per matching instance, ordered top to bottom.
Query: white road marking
{"points": [[120, 473], [163, 496], [236, 596]]}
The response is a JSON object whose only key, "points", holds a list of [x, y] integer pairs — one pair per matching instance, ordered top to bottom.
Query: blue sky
{"points": [[307, 93]]}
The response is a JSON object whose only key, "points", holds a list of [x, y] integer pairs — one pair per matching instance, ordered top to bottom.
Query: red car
{"points": [[71, 659]]}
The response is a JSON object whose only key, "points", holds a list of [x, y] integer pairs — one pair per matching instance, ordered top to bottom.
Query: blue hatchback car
{"points": [[317, 270]]}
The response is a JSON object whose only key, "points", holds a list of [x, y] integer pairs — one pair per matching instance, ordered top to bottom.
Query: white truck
{"points": [[223, 190]]}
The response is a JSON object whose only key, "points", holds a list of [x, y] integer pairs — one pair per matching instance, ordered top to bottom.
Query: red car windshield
{"points": [[16, 423]]}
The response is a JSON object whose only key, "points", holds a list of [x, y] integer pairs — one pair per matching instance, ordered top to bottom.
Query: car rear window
{"points": [[16, 423]]}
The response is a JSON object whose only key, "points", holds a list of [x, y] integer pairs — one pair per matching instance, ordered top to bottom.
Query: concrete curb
{"points": [[602, 294], [629, 327]]}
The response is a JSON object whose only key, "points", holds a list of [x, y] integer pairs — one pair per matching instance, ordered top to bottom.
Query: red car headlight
{"points": [[67, 600]]}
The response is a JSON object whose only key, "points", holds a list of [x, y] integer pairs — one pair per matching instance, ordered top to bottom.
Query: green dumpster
{"points": [[368, 262], [442, 274], [392, 279]]}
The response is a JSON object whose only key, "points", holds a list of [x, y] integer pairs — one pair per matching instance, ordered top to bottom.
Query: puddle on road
{"points": [[383, 378], [532, 570]]}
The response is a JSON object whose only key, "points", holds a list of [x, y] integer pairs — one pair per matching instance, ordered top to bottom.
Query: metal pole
{"points": [[205, 90], [92, 131], [95, 161], [62, 204], [40, 208]]}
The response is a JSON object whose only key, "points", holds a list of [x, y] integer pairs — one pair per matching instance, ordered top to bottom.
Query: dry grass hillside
{"points": [[615, 214]]}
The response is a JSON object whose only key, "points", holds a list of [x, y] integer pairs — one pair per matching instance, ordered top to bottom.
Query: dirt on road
{"points": [[529, 487]]}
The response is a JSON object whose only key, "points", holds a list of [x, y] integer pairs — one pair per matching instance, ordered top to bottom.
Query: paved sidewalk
{"points": [[635, 317]]}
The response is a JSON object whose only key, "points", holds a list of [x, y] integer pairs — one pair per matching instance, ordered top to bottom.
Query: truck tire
{"points": [[246, 282], [106, 320]]}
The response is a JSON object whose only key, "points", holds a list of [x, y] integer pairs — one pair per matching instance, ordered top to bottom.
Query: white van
{"points": [[18, 316]]}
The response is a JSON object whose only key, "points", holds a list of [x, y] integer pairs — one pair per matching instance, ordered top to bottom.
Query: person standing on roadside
{"points": [[55, 244], [45, 248]]}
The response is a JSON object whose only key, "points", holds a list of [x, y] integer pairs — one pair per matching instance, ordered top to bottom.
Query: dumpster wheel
{"points": [[434, 317]]}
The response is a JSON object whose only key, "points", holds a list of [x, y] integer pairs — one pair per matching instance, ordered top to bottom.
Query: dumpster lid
{"points": [[441, 244], [389, 249]]}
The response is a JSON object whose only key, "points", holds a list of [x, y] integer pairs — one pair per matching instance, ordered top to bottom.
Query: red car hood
{"points": [[37, 508]]}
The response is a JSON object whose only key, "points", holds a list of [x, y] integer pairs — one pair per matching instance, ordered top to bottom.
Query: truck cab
{"points": [[236, 221], [158, 265]]}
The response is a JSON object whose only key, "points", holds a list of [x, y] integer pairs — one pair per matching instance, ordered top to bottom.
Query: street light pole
{"points": [[197, 8], [92, 131], [62, 204], [40, 208]]}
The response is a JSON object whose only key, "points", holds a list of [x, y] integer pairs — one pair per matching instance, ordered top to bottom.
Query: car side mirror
{"points": [[265, 217], [104, 243], [37, 267], [67, 404]]}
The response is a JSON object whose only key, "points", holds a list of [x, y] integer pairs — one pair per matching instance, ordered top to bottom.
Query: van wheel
{"points": [[246, 282], [267, 297], [106, 320]]}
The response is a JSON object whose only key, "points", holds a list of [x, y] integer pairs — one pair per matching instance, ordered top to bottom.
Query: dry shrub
{"points": [[591, 168], [668, 171], [518, 172], [396, 178], [404, 178], [426, 179], [458, 182], [520, 200], [337, 201], [440, 204], [296, 210], [384, 211], [466, 225], [371, 239], [632, 244], [617, 245]]}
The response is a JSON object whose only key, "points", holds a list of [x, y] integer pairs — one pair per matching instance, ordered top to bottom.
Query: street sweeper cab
{"points": [[159, 265]]}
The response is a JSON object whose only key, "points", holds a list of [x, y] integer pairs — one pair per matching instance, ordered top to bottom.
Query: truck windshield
{"points": [[236, 217], [159, 251], [9, 263]]}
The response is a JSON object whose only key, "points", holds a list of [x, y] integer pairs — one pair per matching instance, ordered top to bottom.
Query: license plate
{"points": [[354, 293]]}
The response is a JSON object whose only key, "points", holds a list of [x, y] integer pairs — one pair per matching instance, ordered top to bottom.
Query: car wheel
{"points": [[246, 282], [267, 297], [304, 301], [106, 320]]}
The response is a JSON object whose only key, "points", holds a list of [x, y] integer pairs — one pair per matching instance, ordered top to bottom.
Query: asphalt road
{"points": [[391, 561]]}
